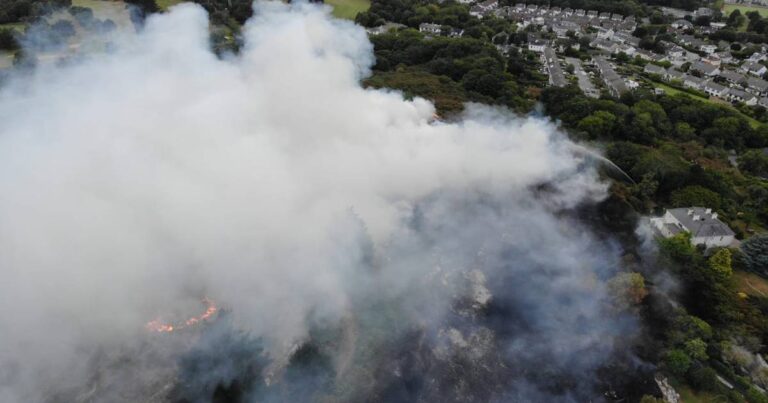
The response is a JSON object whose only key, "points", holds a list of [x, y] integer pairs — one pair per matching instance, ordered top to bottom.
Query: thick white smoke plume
{"points": [[134, 183]]}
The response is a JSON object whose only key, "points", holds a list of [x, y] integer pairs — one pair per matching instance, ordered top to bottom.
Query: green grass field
{"points": [[728, 8], [348, 9]]}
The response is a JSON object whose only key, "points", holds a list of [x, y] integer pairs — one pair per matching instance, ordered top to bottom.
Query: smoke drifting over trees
{"points": [[359, 249]]}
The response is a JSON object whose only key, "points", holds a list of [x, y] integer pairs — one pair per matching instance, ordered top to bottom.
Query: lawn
{"points": [[728, 8], [348, 9], [751, 284]]}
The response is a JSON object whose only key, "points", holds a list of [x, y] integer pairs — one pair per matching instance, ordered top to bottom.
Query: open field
{"points": [[728, 8], [106, 9], [348, 9], [17, 26], [6, 60], [751, 284]]}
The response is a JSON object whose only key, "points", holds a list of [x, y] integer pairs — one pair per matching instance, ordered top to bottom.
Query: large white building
{"points": [[703, 225]]}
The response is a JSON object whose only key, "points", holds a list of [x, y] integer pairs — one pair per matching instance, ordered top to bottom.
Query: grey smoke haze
{"points": [[134, 182]]}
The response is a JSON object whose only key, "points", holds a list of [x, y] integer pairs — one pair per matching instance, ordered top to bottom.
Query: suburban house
{"points": [[682, 24], [428, 28], [537, 45], [708, 48], [712, 59], [705, 68], [754, 68], [654, 69], [672, 74], [733, 77], [693, 82], [757, 85], [714, 89], [737, 95], [703, 225]]}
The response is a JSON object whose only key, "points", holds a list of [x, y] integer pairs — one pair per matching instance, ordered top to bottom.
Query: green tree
{"points": [[598, 125], [684, 131], [754, 162], [695, 196], [678, 247], [720, 263], [627, 289], [697, 349], [677, 361], [755, 396]]}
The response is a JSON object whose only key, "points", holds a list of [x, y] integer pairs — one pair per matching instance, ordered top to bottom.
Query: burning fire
{"points": [[161, 327]]}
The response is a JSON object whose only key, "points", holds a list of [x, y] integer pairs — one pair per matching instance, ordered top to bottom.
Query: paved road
{"points": [[556, 76], [584, 82]]}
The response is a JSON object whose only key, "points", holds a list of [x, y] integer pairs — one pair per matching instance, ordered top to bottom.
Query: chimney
{"points": [[690, 211], [708, 211], [714, 216], [696, 217]]}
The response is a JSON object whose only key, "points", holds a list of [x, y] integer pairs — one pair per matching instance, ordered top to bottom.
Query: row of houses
{"points": [[615, 84], [752, 94]]}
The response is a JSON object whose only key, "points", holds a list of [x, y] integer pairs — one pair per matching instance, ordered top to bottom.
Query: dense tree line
{"points": [[21, 10], [225, 11], [414, 12], [470, 69], [645, 119], [673, 148], [718, 328]]}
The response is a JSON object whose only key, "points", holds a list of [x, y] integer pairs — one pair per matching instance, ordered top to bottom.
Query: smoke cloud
{"points": [[134, 183]]}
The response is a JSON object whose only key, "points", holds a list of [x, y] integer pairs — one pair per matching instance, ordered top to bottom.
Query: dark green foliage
{"points": [[146, 6], [22, 10], [228, 12], [414, 12], [8, 40], [474, 64], [754, 162], [695, 196], [756, 253], [677, 362], [703, 378], [753, 395]]}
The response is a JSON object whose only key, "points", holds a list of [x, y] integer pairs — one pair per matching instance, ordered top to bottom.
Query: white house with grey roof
{"points": [[702, 223]]}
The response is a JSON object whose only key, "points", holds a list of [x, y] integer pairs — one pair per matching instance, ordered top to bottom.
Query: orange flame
{"points": [[159, 326]]}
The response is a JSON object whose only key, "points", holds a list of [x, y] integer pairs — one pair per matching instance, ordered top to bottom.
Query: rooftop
{"points": [[707, 224]]}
